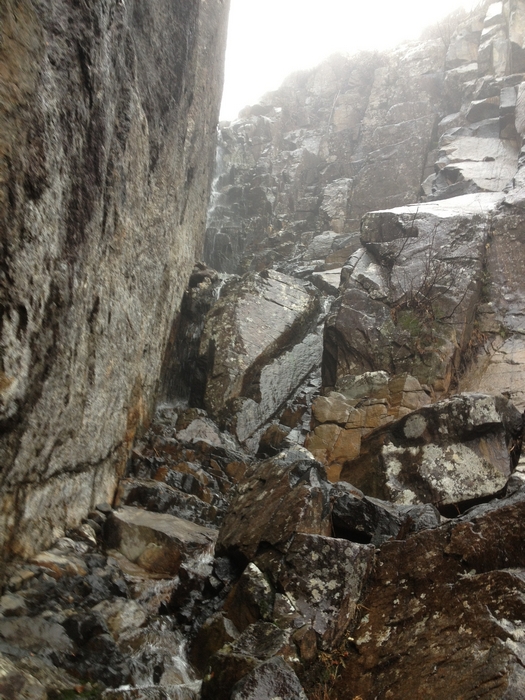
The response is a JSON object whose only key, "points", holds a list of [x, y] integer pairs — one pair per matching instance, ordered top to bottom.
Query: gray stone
{"points": [[108, 120], [321, 246], [429, 254], [257, 346], [370, 520], [321, 578], [12, 605], [121, 615], [35, 635], [258, 644], [272, 679], [18, 685]]}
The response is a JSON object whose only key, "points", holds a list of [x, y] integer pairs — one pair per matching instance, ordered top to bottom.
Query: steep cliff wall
{"points": [[429, 120], [107, 125]]}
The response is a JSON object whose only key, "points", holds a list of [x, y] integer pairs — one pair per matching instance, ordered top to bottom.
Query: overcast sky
{"points": [[268, 39]]}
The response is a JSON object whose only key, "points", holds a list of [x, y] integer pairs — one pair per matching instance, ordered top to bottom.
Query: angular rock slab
{"points": [[488, 165], [256, 347], [452, 452], [288, 494], [369, 520], [158, 542], [443, 614], [234, 662]]}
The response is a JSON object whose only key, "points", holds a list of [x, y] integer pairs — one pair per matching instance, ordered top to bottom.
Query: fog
{"points": [[267, 40]]}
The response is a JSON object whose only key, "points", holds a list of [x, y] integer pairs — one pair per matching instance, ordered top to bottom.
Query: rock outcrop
{"points": [[107, 117]]}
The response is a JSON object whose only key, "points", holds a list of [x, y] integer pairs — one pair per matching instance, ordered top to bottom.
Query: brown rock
{"points": [[448, 453], [288, 494], [157, 542], [60, 565], [322, 578], [442, 612], [217, 631], [258, 643]]}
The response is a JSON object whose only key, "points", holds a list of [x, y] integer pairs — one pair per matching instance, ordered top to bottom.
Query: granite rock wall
{"points": [[107, 137]]}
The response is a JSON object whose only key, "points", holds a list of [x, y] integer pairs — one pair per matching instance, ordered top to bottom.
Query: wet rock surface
{"points": [[108, 115], [410, 294], [258, 344], [452, 452], [281, 535], [443, 611]]}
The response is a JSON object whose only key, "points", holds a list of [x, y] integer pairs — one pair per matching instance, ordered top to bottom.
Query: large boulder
{"points": [[258, 344], [455, 451], [287, 494], [158, 542], [319, 580], [443, 612], [259, 644]]}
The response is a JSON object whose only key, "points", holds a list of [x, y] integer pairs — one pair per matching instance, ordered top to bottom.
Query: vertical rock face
{"points": [[107, 119], [347, 137]]}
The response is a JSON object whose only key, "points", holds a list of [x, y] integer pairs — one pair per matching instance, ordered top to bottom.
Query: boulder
{"points": [[258, 344], [364, 403], [450, 453], [287, 494], [159, 497], [370, 520], [158, 542], [58, 564], [321, 579], [251, 599], [121, 615], [216, 631], [35, 635], [258, 644], [272, 679], [15, 684]]}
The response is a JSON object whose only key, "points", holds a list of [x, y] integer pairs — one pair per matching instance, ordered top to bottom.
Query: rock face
{"points": [[108, 115], [317, 154], [411, 292]]}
